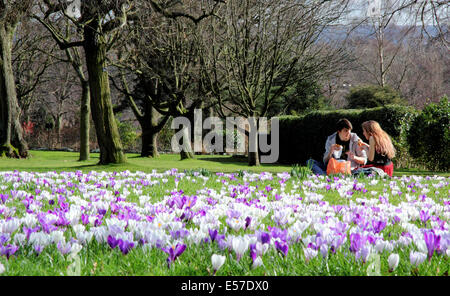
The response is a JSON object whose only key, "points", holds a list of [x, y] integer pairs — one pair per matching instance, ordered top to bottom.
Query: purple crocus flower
{"points": [[3, 198], [337, 208], [233, 214], [187, 215], [424, 216], [85, 219], [396, 219], [62, 220], [248, 220], [98, 221], [378, 226], [339, 227], [48, 228], [181, 233], [278, 233], [212, 234], [264, 237], [4, 238], [338, 240], [112, 241], [357, 241], [432, 241], [221, 242], [125, 246], [282, 247], [64, 248], [38, 249], [8, 250], [174, 252], [253, 253]]}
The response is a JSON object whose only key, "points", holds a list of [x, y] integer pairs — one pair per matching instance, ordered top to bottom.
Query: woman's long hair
{"points": [[383, 143]]}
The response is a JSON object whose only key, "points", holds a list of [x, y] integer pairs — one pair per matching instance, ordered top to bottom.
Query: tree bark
{"points": [[85, 112], [10, 127], [150, 127], [149, 142], [111, 150], [186, 150]]}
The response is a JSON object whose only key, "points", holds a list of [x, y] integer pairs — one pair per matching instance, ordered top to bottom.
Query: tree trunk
{"points": [[85, 113], [10, 127], [150, 130], [149, 143], [111, 150], [186, 150]]}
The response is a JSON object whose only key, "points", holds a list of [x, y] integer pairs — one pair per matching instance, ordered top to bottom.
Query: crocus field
{"points": [[202, 223]]}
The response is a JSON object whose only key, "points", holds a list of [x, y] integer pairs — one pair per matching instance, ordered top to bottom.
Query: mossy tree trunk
{"points": [[85, 112], [151, 125], [11, 132], [186, 149], [111, 150]]}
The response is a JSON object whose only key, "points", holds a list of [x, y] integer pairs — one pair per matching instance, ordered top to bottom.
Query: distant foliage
{"points": [[373, 96], [300, 98], [128, 135], [429, 136]]}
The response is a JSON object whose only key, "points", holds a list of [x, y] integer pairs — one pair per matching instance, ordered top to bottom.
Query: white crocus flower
{"points": [[11, 225], [57, 236], [20, 238], [380, 245], [240, 246], [421, 246], [75, 248], [309, 254], [416, 258], [393, 261], [217, 262], [258, 262], [2, 268]]}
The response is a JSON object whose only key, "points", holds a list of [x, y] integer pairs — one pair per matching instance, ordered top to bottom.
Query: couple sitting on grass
{"points": [[378, 153]]}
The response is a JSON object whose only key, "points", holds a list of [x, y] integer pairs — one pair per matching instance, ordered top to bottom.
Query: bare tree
{"points": [[431, 15], [100, 23], [62, 29], [250, 54], [161, 59], [30, 63], [11, 134]]}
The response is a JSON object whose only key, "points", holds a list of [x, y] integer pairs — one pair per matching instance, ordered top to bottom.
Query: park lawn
{"points": [[42, 161], [214, 194]]}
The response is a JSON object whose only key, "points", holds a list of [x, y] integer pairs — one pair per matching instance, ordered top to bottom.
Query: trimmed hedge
{"points": [[429, 136], [304, 137]]}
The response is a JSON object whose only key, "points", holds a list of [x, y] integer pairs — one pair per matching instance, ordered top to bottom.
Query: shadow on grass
{"points": [[227, 160], [238, 160]]}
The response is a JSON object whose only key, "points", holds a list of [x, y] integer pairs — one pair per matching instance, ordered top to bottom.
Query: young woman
{"points": [[381, 151]]}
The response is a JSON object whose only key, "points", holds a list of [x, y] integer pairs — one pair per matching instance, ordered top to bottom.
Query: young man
{"points": [[346, 140]]}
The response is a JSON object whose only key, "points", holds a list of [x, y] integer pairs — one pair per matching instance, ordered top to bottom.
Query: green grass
{"points": [[42, 161], [100, 260]]}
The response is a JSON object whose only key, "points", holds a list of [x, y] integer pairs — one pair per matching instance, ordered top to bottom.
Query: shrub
{"points": [[373, 96], [128, 135], [429, 136], [304, 137]]}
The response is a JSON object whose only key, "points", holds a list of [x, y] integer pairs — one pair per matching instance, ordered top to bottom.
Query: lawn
{"points": [[42, 161], [119, 222]]}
